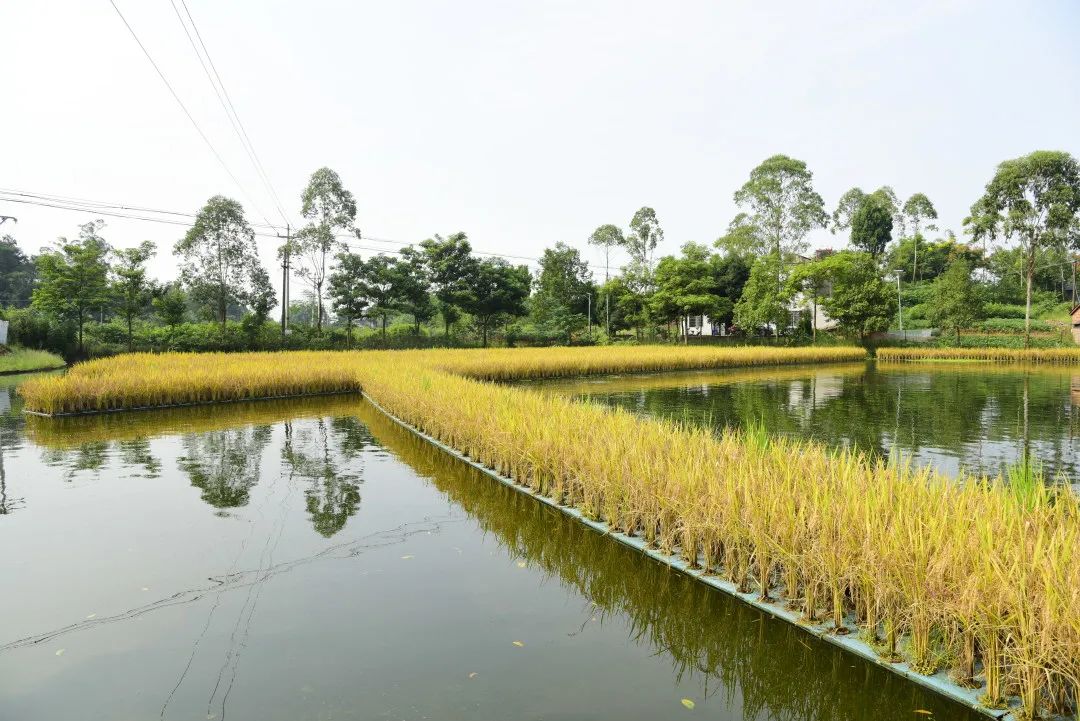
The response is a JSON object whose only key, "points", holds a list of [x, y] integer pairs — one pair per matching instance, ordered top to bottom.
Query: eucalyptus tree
{"points": [[853, 199], [1032, 201], [783, 206], [330, 210], [917, 213], [645, 234], [607, 237], [743, 239], [219, 258], [73, 278], [378, 283], [130, 285]]}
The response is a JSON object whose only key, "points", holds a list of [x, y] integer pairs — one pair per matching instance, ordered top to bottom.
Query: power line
{"points": [[230, 109], [186, 111], [93, 205], [115, 210]]}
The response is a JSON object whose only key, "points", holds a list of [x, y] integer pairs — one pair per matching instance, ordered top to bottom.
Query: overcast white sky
{"points": [[525, 124]]}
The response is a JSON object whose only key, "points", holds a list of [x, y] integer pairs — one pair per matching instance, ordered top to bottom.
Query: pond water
{"points": [[947, 415], [308, 559]]}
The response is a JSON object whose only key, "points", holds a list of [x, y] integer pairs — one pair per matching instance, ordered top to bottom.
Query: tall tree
{"points": [[1032, 200], [784, 206], [846, 207], [331, 209], [916, 213], [871, 226], [645, 234], [608, 237], [743, 238], [219, 255], [450, 265], [17, 272], [73, 278], [378, 283], [130, 284], [687, 285], [414, 287], [497, 290], [563, 290], [347, 291], [955, 300], [762, 302], [861, 302], [170, 304]]}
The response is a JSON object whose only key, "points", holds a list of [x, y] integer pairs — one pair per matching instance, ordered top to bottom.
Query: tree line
{"points": [[1023, 233]]}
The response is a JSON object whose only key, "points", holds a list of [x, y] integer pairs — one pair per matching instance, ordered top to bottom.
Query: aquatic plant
{"points": [[997, 355], [967, 572]]}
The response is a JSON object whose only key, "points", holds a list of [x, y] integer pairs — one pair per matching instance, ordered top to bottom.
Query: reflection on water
{"points": [[980, 417], [277, 592]]}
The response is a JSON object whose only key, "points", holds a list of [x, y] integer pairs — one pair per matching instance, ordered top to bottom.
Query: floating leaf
{"points": [[406, 557], [522, 564], [146, 588], [92, 615], [519, 644], [60, 652], [473, 674], [688, 703], [924, 712]]}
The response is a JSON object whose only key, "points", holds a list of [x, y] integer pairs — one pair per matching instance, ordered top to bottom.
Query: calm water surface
{"points": [[975, 416], [310, 560]]}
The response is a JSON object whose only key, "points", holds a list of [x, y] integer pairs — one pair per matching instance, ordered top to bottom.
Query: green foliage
{"points": [[1032, 200], [783, 204], [331, 209], [871, 226], [645, 234], [607, 237], [219, 258], [449, 264], [17, 273], [74, 278], [698, 283], [130, 286], [563, 289], [497, 291], [763, 302], [861, 302], [956, 302], [171, 305], [20, 360]]}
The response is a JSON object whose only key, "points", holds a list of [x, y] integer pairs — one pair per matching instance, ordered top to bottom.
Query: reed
{"points": [[1067, 356], [967, 573]]}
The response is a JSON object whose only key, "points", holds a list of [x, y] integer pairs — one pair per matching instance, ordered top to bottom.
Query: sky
{"points": [[522, 124]]}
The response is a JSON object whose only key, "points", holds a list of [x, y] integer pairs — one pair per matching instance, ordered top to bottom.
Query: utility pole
{"points": [[285, 280], [900, 303], [590, 317]]}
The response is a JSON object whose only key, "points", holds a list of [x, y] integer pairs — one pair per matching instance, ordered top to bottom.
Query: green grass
{"points": [[20, 360]]}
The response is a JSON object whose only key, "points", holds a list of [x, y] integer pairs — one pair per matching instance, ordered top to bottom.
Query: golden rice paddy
{"points": [[997, 355], [971, 576]]}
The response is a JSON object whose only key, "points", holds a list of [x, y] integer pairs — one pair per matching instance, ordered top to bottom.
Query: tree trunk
{"points": [[222, 305], [82, 321], [384, 325], [348, 332], [484, 333], [131, 340]]}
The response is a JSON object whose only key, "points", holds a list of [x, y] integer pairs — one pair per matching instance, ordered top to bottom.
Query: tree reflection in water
{"points": [[328, 454], [225, 464], [770, 668]]}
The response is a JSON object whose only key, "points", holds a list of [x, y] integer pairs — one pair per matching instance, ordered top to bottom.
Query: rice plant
{"points": [[997, 355], [971, 573]]}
